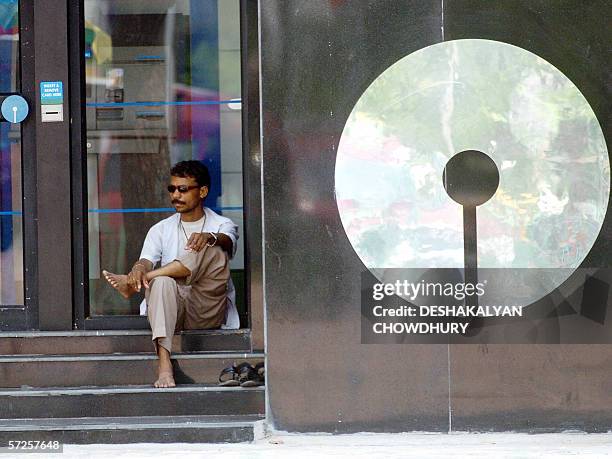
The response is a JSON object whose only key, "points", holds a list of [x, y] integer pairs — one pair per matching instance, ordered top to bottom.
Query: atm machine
{"points": [[130, 129]]}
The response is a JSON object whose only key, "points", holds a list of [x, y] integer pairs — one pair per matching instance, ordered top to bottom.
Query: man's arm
{"points": [[197, 241], [150, 255], [144, 263], [136, 278]]}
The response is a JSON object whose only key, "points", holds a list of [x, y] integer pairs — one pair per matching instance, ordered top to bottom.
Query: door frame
{"points": [[76, 43], [53, 166], [252, 170], [47, 256], [25, 317]]}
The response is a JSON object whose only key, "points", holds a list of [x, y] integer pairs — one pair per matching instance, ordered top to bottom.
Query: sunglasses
{"points": [[181, 188]]}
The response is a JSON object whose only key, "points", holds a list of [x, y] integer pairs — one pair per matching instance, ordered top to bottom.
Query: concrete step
{"points": [[120, 341], [114, 369], [93, 402], [154, 429]]}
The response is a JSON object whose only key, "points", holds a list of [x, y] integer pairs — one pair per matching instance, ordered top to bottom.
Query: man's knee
{"points": [[219, 255], [162, 282], [159, 287]]}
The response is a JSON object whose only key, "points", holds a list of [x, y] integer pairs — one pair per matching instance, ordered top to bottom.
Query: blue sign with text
{"points": [[51, 93], [15, 109]]}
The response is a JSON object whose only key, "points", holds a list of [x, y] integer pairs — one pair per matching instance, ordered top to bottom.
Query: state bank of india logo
{"points": [[474, 154]]}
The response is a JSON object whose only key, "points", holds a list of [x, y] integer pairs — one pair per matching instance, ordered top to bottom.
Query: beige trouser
{"points": [[197, 301]]}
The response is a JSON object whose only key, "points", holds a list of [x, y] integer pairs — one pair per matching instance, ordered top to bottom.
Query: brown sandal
{"points": [[231, 376]]}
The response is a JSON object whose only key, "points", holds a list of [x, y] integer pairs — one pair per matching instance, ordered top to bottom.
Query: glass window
{"points": [[162, 85], [11, 231]]}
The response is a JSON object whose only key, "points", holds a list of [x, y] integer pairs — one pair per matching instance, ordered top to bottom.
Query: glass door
{"points": [[162, 85], [11, 227], [12, 298]]}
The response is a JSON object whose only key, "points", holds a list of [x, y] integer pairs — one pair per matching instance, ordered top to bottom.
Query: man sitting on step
{"points": [[192, 289]]}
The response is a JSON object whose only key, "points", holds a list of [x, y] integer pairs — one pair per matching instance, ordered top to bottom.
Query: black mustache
{"points": [[177, 202]]}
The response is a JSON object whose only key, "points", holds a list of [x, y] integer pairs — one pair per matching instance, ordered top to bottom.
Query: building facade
{"points": [[264, 93]]}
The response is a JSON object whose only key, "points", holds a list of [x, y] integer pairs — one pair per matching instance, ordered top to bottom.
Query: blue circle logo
{"points": [[15, 109]]}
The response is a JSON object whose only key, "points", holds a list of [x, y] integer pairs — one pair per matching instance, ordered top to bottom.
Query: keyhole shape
{"points": [[470, 178]]}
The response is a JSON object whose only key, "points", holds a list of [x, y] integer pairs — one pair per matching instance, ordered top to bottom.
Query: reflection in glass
{"points": [[160, 77], [473, 95], [11, 230]]}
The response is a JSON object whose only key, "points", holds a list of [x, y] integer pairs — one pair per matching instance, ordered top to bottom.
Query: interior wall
{"points": [[317, 58]]}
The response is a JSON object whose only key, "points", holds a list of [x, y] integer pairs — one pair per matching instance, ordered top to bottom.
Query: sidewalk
{"points": [[371, 446]]}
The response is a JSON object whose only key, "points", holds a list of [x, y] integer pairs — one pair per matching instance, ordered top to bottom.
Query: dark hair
{"points": [[194, 169]]}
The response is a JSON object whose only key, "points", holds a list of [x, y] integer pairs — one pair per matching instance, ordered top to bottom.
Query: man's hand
{"points": [[197, 241], [136, 278]]}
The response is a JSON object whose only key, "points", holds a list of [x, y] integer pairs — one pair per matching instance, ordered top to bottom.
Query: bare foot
{"points": [[119, 283], [165, 374], [165, 379]]}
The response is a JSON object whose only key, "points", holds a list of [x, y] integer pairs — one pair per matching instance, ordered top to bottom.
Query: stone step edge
{"points": [[118, 333], [134, 356], [28, 391], [128, 423]]}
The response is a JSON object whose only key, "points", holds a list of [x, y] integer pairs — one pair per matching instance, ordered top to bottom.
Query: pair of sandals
{"points": [[243, 375]]}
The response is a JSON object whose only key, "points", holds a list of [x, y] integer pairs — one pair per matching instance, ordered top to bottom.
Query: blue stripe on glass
{"points": [[143, 57], [161, 104], [149, 113], [151, 209], [129, 211]]}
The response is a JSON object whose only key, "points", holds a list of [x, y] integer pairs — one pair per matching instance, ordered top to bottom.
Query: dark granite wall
{"points": [[317, 59]]}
